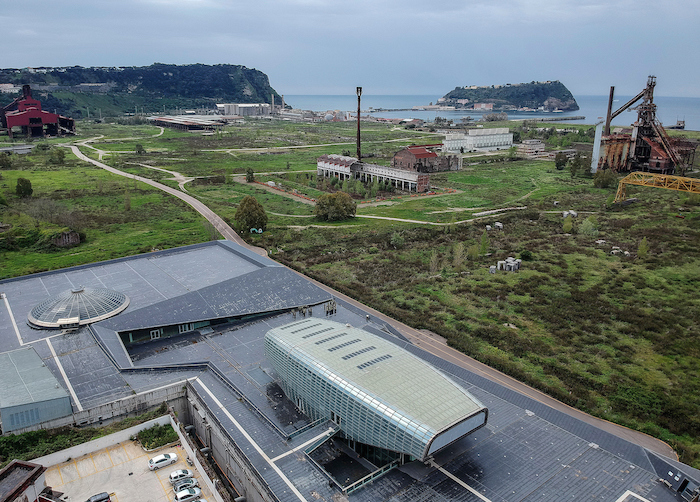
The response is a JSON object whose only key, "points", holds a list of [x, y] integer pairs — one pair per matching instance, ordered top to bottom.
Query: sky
{"points": [[385, 46]]}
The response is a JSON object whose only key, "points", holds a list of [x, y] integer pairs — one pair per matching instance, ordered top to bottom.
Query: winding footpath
{"points": [[221, 226], [427, 341]]}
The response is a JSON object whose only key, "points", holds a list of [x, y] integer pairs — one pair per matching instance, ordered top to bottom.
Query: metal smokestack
{"points": [[608, 118], [359, 152]]}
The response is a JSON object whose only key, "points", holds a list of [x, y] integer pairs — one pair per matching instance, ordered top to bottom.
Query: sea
{"points": [[593, 108]]}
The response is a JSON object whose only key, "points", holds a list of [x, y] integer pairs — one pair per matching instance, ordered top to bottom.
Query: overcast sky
{"points": [[386, 46]]}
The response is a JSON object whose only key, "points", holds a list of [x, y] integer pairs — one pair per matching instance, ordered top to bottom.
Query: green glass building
{"points": [[378, 393]]}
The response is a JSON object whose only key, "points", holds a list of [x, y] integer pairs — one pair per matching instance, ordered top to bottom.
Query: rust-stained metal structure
{"points": [[25, 112], [647, 147], [679, 183]]}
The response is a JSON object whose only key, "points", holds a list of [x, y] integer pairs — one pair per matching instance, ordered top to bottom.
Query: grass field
{"points": [[614, 335]]}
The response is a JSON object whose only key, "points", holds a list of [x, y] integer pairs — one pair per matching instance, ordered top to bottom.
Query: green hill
{"points": [[153, 89], [551, 95]]}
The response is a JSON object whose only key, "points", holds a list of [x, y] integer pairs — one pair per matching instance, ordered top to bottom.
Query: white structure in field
{"points": [[244, 109], [479, 139]]}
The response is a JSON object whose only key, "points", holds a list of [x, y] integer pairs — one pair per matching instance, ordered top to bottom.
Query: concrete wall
{"points": [[138, 403], [30, 414], [98, 444], [227, 453]]}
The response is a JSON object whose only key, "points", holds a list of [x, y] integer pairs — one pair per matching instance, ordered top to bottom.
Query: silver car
{"points": [[162, 460], [179, 475], [184, 484], [188, 495]]}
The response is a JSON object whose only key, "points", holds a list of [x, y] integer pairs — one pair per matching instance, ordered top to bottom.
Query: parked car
{"points": [[162, 460], [179, 475], [185, 483], [188, 495], [100, 497], [201, 500]]}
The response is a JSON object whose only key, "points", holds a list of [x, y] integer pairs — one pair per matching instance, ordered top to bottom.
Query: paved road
{"points": [[429, 342]]}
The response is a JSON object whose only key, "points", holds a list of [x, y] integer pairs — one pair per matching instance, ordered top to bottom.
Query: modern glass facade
{"points": [[378, 393]]}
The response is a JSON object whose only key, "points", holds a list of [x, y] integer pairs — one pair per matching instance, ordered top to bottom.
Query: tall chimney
{"points": [[610, 105], [359, 152]]}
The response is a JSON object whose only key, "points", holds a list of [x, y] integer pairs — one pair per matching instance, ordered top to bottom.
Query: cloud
{"points": [[398, 46]]}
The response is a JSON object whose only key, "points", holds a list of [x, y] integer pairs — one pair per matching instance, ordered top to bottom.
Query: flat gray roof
{"points": [[26, 379]]}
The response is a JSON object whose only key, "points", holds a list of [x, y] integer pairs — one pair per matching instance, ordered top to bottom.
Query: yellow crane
{"points": [[680, 183]]}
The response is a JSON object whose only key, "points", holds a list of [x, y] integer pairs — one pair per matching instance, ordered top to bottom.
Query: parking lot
{"points": [[122, 471]]}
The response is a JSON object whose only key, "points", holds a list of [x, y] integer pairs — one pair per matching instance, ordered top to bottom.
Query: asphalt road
{"points": [[429, 342]]}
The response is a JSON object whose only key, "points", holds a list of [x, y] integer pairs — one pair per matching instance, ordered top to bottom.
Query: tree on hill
{"points": [[24, 188], [335, 206], [250, 214]]}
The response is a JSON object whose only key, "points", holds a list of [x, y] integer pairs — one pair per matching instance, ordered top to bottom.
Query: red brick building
{"points": [[422, 159]]}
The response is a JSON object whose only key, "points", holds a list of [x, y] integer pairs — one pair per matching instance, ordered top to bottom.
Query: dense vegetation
{"points": [[148, 87], [534, 94], [613, 335], [156, 436], [30, 445]]}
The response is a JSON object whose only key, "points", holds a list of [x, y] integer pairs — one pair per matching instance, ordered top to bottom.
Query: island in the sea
{"points": [[549, 96]]}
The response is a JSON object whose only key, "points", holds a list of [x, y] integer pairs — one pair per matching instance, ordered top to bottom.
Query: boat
{"points": [[680, 124]]}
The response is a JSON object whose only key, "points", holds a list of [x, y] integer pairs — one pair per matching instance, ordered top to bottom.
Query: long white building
{"points": [[479, 139]]}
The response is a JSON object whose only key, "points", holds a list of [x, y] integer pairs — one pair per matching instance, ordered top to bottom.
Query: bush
{"points": [[5, 161], [560, 161], [604, 178], [24, 188], [334, 207], [250, 214], [397, 241], [526, 255], [158, 435]]}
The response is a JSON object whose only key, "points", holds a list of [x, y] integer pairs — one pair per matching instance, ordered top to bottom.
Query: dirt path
{"points": [[181, 180], [221, 226]]}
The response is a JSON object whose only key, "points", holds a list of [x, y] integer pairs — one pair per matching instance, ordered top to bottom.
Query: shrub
{"points": [[5, 161], [560, 161], [249, 175], [604, 178], [24, 188], [334, 207], [250, 214], [568, 225], [588, 227], [397, 241], [643, 249], [158, 435]]}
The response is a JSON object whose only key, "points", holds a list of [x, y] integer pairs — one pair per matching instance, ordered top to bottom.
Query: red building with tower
{"points": [[25, 112]]}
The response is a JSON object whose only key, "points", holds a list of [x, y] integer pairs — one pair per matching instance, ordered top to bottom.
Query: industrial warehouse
{"points": [[295, 394]]}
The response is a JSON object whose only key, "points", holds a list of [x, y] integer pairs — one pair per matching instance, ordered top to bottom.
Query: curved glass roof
{"points": [[88, 305], [384, 376]]}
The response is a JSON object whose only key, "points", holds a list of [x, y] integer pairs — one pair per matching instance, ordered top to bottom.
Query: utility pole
{"points": [[359, 152]]}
